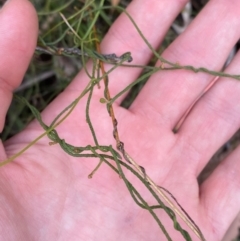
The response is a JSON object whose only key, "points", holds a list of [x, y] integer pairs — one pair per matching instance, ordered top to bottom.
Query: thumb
{"points": [[18, 31]]}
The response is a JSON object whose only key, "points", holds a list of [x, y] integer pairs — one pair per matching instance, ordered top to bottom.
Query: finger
{"points": [[153, 18], [18, 31], [202, 45], [213, 120], [220, 194]]}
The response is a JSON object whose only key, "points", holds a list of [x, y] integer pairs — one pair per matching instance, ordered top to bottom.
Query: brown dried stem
{"points": [[184, 116]]}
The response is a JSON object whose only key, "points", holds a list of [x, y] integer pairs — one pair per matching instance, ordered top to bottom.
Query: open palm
{"points": [[46, 195]]}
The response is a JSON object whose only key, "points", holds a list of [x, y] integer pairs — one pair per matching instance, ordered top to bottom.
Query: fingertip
{"points": [[18, 28]]}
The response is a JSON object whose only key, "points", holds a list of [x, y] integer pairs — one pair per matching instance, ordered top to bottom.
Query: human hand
{"points": [[46, 195]]}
